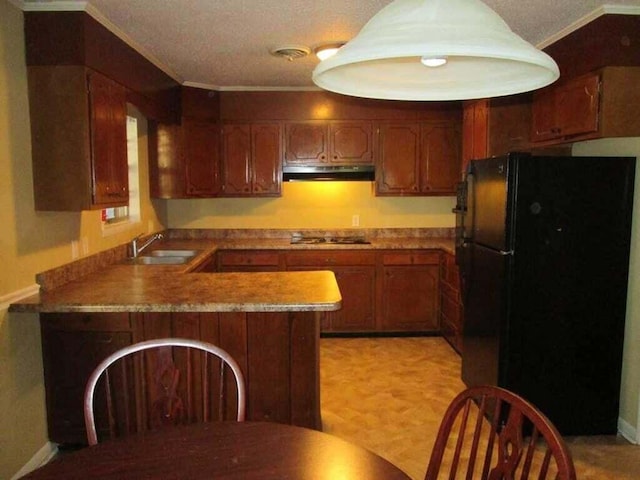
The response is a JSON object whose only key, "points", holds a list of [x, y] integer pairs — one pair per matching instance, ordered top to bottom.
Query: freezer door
{"points": [[488, 202], [485, 316]]}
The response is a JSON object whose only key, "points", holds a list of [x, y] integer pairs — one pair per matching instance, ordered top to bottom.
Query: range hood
{"points": [[328, 173]]}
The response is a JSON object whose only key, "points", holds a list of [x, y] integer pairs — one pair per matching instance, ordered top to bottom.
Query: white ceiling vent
{"points": [[290, 52]]}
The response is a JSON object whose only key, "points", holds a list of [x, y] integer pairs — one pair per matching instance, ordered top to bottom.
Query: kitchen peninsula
{"points": [[269, 319], [269, 322]]}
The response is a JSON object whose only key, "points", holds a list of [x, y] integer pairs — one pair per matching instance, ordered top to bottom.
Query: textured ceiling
{"points": [[225, 43]]}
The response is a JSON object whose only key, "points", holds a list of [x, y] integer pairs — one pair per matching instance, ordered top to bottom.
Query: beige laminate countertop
{"points": [[122, 287]]}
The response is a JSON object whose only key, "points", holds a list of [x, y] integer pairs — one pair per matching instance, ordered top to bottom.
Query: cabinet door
{"points": [[107, 101], [577, 106], [566, 110], [544, 124], [474, 130], [201, 142], [306, 143], [351, 143], [398, 150], [266, 159], [440, 159], [236, 163], [355, 274], [357, 286], [409, 291], [411, 298], [450, 302], [72, 346]]}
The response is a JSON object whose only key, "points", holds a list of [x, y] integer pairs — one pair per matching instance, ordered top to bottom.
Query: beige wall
{"points": [[314, 205], [31, 242], [630, 391]]}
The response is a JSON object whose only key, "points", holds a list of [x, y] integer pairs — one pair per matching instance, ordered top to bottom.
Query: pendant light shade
{"points": [[473, 51]]}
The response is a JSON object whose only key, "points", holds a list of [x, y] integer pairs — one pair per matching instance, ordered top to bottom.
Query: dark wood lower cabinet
{"points": [[356, 277], [409, 285], [383, 291], [451, 313], [72, 346], [277, 351]]}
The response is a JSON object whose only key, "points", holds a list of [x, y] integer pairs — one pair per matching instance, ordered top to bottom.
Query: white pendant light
{"points": [[474, 52]]}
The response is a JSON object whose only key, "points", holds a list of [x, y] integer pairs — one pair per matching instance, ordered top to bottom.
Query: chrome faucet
{"points": [[137, 249]]}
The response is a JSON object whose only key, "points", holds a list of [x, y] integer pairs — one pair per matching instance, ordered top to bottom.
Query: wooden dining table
{"points": [[222, 450]]}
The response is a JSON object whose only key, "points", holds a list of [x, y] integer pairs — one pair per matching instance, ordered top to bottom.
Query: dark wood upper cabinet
{"points": [[77, 39], [107, 103], [599, 104], [567, 109], [475, 127], [495, 127], [79, 139], [201, 141], [334, 142], [306, 143], [351, 143], [266, 156], [184, 158], [418, 158], [439, 158], [251, 160], [236, 165], [397, 167]]}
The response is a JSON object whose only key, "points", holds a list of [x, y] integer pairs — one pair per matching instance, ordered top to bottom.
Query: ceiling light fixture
{"points": [[328, 50], [483, 57]]}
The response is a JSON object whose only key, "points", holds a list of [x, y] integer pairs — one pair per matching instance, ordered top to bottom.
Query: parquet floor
{"points": [[389, 394]]}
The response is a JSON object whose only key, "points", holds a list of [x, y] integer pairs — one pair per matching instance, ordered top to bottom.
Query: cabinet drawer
{"points": [[329, 257], [249, 258], [413, 258], [97, 322]]}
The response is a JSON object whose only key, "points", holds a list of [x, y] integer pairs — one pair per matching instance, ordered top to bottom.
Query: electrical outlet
{"points": [[355, 220], [75, 249]]}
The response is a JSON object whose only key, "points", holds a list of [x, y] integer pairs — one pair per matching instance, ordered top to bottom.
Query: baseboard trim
{"points": [[13, 297], [377, 334], [627, 431], [42, 456]]}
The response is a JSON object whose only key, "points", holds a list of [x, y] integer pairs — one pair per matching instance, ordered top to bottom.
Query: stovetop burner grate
{"points": [[344, 240]]}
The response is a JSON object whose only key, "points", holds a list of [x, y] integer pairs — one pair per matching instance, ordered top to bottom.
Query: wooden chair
{"points": [[145, 389], [489, 433]]}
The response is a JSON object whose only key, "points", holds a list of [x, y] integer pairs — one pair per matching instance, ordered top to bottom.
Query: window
{"points": [[119, 216]]}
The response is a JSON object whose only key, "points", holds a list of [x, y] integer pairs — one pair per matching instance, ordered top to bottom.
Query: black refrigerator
{"points": [[543, 249]]}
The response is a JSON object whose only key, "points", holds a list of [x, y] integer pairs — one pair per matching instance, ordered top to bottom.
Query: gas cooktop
{"points": [[338, 240]]}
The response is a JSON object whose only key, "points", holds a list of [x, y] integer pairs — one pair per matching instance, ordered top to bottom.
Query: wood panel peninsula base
{"points": [[273, 334]]}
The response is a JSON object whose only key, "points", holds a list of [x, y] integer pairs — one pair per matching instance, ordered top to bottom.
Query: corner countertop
{"points": [[121, 287]]}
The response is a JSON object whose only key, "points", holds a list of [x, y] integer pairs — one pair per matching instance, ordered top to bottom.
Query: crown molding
{"points": [[588, 18], [240, 88]]}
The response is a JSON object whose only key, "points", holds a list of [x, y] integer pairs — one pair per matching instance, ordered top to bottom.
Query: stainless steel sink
{"points": [[172, 253], [164, 257], [149, 260]]}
